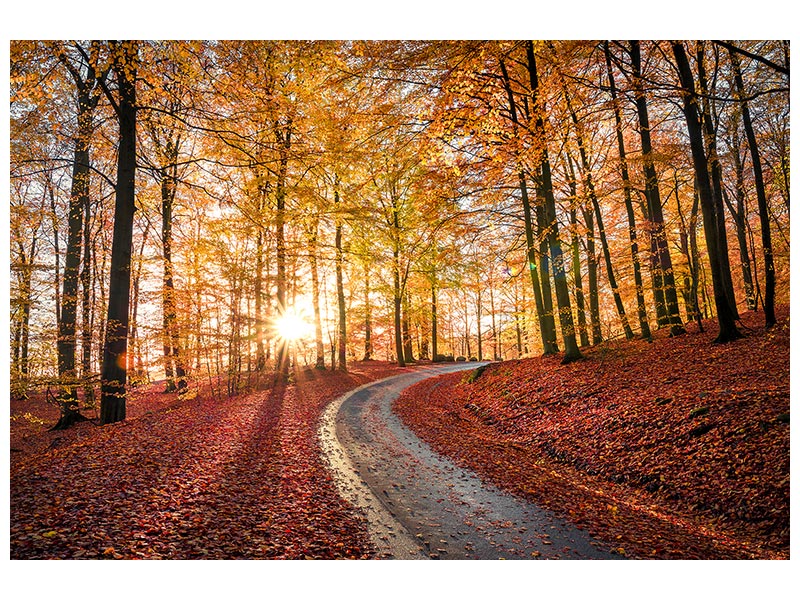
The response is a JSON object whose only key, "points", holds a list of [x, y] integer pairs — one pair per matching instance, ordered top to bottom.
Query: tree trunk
{"points": [[283, 137], [761, 195], [79, 196], [575, 244], [689, 249], [57, 254], [661, 262], [577, 277], [398, 291], [258, 292], [594, 294], [86, 308], [641, 308], [479, 310], [725, 314], [367, 315], [434, 321], [398, 327], [547, 330], [342, 333], [21, 342], [318, 343], [495, 345], [408, 350], [135, 363], [173, 364], [114, 374]]}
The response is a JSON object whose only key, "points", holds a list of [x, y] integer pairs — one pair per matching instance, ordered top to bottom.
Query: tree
{"points": [[124, 59], [88, 82], [590, 190], [626, 190], [763, 211], [661, 262], [540, 285], [726, 315], [571, 351]]}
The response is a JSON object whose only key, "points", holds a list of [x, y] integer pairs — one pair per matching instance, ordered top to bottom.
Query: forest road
{"points": [[419, 504]]}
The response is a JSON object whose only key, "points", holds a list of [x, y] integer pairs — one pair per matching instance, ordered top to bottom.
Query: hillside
{"points": [[673, 449]]}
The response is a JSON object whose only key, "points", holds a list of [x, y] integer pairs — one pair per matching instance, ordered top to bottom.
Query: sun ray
{"points": [[292, 326]]}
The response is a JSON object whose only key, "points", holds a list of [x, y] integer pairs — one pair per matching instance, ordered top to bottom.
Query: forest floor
{"points": [[614, 443], [673, 449], [186, 477]]}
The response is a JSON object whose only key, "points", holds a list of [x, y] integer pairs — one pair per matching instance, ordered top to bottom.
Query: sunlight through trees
{"points": [[226, 211]]}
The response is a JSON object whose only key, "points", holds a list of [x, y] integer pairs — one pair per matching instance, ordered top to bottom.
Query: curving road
{"points": [[421, 505]]}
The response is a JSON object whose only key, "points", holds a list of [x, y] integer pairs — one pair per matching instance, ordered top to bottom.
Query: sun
{"points": [[291, 326]]}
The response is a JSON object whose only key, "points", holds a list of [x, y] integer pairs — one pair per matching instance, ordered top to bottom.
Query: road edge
{"points": [[390, 538]]}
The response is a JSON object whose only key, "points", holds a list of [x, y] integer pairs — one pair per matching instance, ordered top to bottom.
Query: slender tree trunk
{"points": [[283, 137], [761, 195], [739, 213], [575, 244], [313, 249], [689, 249], [57, 253], [591, 261], [661, 262], [578, 278], [540, 284], [258, 291], [398, 291], [641, 308], [479, 311], [725, 314], [367, 315], [434, 321], [398, 327], [423, 332], [22, 333], [342, 335], [133, 338], [66, 343], [495, 346], [408, 350], [135, 363], [173, 364], [114, 374]]}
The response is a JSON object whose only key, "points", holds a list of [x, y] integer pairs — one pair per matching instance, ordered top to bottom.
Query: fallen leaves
{"points": [[675, 449], [190, 478]]}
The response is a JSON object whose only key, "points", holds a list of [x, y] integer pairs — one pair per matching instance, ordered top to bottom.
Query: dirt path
{"points": [[419, 504]]}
